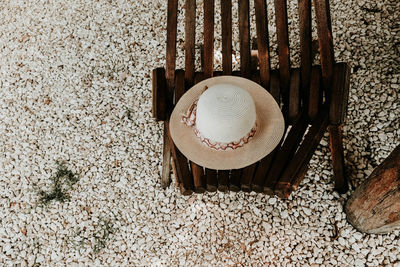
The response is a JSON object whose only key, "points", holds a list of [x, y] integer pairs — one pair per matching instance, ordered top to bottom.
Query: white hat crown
{"points": [[225, 113]]}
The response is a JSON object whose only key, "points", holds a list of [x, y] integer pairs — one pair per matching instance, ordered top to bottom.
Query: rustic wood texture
{"points": [[172, 21], [226, 25], [244, 35], [190, 39], [325, 40], [262, 41], [305, 46], [283, 50], [208, 66], [274, 87], [159, 90], [298, 91], [339, 93], [294, 95], [315, 96], [336, 143], [286, 151], [180, 160], [166, 164], [181, 167], [296, 169], [261, 173], [247, 177], [199, 180], [211, 180], [223, 180], [235, 180], [269, 180], [374, 207]]}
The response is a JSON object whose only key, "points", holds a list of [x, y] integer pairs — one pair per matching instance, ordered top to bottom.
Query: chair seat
{"points": [[280, 172]]}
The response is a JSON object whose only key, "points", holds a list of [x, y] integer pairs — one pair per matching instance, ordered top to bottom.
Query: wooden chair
{"points": [[313, 98]]}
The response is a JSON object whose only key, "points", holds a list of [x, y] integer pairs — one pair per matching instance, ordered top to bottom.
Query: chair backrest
{"points": [[322, 14]]}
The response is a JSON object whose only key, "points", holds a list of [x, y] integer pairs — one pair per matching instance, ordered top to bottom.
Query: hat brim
{"points": [[270, 128]]}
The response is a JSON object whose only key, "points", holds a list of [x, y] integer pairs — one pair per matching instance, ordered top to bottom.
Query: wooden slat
{"points": [[172, 20], [226, 24], [190, 34], [244, 34], [208, 38], [325, 40], [262, 42], [305, 46], [283, 49], [179, 84], [274, 86], [339, 93], [294, 95], [315, 96], [159, 107], [336, 143], [287, 150], [181, 161], [166, 164], [181, 167], [296, 169], [261, 173], [247, 177], [199, 180], [211, 180], [223, 180], [234, 180]]}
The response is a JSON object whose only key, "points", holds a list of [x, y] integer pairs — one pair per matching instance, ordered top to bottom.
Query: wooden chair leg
{"points": [[336, 143], [165, 173]]}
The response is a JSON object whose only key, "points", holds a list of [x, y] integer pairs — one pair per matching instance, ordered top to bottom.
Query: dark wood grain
{"points": [[172, 20], [226, 25], [244, 35], [190, 39], [325, 41], [262, 42], [305, 46], [283, 49], [208, 66], [179, 84], [274, 87], [159, 90], [339, 93], [294, 95], [315, 95], [336, 144], [287, 150], [181, 161], [166, 164], [181, 167], [296, 169], [261, 173], [247, 177], [199, 179], [211, 180], [223, 180], [234, 180]]}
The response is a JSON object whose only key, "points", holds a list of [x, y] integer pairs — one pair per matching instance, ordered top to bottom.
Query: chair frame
{"points": [[313, 98]]}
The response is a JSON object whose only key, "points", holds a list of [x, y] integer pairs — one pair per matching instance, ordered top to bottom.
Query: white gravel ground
{"points": [[71, 71]]}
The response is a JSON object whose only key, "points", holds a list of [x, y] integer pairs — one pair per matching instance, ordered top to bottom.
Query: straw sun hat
{"points": [[226, 123]]}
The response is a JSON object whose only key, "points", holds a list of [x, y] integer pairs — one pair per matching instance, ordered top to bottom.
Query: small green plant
{"points": [[62, 182], [103, 234], [94, 240]]}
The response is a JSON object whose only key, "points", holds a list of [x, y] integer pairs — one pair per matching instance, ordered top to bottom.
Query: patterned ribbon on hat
{"points": [[190, 120]]}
